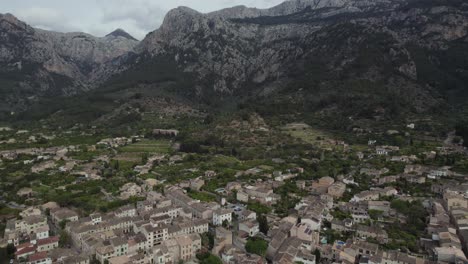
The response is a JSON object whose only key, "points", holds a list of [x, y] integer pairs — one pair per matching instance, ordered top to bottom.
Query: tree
{"points": [[144, 157], [116, 165], [375, 214], [63, 223], [225, 223], [263, 224], [64, 239], [207, 240], [256, 246], [10, 249], [317, 255], [207, 258]]}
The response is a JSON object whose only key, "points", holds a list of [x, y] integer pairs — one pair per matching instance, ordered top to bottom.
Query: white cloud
{"points": [[46, 18]]}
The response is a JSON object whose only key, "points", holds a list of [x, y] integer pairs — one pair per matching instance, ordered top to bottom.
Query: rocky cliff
{"points": [[371, 40], [368, 57], [37, 63]]}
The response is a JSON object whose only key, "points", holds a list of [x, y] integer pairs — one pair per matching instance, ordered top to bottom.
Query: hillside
{"points": [[355, 60]]}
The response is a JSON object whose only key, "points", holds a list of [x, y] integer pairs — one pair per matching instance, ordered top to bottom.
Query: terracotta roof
{"points": [[48, 240], [25, 251], [38, 256]]}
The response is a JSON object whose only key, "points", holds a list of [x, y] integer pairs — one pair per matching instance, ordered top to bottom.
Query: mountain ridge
{"points": [[317, 55]]}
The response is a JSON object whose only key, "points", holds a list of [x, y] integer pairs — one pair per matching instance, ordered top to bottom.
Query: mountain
{"points": [[293, 6], [120, 33], [391, 55], [358, 59], [37, 63]]}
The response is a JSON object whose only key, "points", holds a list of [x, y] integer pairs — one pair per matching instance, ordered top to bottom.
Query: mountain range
{"points": [[353, 58]]}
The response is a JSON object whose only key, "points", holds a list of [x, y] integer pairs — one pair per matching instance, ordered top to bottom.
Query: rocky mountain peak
{"points": [[293, 6], [180, 18], [11, 20], [178, 21], [121, 33]]}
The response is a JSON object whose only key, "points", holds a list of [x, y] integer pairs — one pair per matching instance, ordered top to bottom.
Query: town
{"points": [[142, 199]]}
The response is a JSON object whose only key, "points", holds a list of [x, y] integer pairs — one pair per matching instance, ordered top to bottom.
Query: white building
{"points": [[221, 215]]}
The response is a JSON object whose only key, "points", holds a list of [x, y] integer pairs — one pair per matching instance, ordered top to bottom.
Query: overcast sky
{"points": [[100, 17]]}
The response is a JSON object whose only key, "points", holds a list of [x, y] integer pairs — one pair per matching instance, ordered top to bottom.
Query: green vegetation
{"points": [[148, 146], [202, 196], [258, 208], [263, 224], [408, 234], [257, 246], [207, 258]]}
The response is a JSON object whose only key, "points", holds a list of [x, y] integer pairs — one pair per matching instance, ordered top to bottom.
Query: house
{"points": [[165, 132], [385, 150], [381, 151], [373, 172], [439, 172], [388, 179], [150, 183], [196, 184], [322, 185], [231, 186], [337, 189], [130, 190], [25, 192], [242, 196], [365, 196], [454, 199], [50, 206], [383, 206], [125, 211], [30, 212], [63, 214], [247, 214], [221, 215], [96, 218], [31, 224], [342, 225], [251, 227], [41, 233], [305, 233], [378, 233], [155, 234], [222, 239], [47, 244], [112, 248], [183, 248], [24, 251], [448, 255], [303, 257], [39, 258], [77, 259]]}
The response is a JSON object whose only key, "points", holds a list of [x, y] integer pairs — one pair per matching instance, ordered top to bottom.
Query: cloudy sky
{"points": [[99, 17]]}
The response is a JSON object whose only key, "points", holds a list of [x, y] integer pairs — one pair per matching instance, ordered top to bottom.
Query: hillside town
{"points": [[417, 213]]}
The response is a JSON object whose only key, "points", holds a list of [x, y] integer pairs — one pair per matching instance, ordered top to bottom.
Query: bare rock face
{"points": [[293, 6], [325, 44], [263, 49], [51, 62]]}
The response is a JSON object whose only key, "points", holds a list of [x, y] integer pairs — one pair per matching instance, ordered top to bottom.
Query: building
{"points": [[337, 189], [63, 214], [221, 215], [251, 227], [47, 244], [183, 248], [39, 258]]}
